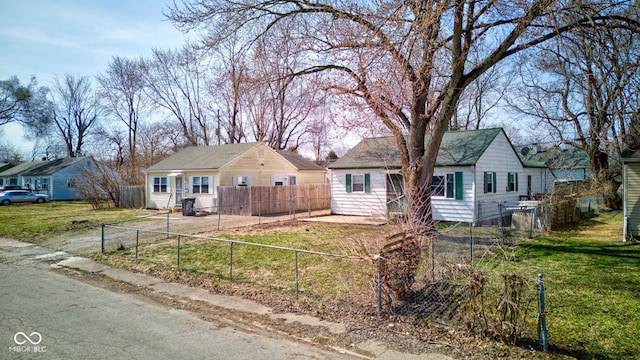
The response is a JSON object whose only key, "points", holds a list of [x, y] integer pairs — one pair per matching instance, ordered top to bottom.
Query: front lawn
{"points": [[592, 280]]}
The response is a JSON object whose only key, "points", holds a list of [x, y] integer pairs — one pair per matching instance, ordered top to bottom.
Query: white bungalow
{"points": [[475, 171]]}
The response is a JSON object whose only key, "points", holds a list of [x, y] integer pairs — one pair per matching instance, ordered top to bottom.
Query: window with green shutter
{"points": [[512, 181], [490, 182], [358, 183], [459, 185], [449, 186]]}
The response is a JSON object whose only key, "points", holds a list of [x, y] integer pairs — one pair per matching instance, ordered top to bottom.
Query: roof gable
{"points": [[458, 148]]}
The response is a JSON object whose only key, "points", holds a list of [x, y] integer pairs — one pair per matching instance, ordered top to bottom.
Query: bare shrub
{"points": [[99, 185], [494, 310]]}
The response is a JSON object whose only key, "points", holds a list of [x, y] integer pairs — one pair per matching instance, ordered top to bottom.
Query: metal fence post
{"points": [[219, 215], [168, 223], [137, 238], [102, 239], [471, 242], [178, 252], [231, 261], [379, 285], [297, 286], [542, 317]]}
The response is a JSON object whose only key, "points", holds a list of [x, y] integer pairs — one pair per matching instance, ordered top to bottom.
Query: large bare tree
{"points": [[408, 61], [176, 81], [226, 86], [123, 97], [588, 97], [285, 102], [26, 105], [76, 110]]}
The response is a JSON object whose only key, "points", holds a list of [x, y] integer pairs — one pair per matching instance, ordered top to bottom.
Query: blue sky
{"points": [[49, 38]]}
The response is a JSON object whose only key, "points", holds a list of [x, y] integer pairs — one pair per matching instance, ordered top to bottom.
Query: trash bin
{"points": [[188, 207]]}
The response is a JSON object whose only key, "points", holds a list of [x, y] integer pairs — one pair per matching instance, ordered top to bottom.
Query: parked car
{"points": [[12, 187], [20, 196]]}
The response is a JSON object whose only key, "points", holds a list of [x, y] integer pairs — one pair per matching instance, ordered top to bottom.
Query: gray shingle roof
{"points": [[458, 148], [202, 157], [558, 158], [298, 161], [53, 166], [20, 168]]}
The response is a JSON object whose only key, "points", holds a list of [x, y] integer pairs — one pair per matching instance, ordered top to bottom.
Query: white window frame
{"points": [[200, 183], [160, 184], [359, 184], [448, 186]]}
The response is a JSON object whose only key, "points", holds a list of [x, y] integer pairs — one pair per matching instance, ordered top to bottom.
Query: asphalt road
{"points": [[45, 315]]}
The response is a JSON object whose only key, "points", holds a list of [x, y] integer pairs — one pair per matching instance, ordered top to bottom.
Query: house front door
{"points": [[179, 190], [396, 198]]}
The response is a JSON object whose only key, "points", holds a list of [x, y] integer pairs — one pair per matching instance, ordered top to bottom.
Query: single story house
{"points": [[566, 164], [4, 166], [197, 171], [475, 171], [13, 175], [58, 178], [631, 195]]}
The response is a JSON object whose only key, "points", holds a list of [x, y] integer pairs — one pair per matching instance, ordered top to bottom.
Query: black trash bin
{"points": [[188, 207]]}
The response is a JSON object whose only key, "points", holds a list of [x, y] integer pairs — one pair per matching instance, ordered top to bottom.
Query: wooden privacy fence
{"points": [[132, 197], [267, 200]]}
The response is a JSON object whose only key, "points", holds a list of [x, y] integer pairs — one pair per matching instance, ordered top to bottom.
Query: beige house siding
{"points": [[260, 165], [311, 177], [632, 199]]}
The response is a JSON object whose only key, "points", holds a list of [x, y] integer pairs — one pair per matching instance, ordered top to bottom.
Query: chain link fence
{"points": [[458, 282], [447, 285]]}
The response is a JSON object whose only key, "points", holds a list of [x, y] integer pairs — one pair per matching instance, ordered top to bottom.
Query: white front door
{"points": [[179, 190]]}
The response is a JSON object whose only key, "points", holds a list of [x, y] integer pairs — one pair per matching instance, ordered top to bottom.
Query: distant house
{"points": [[568, 164], [4, 166], [475, 171], [196, 172], [13, 175], [58, 178], [631, 195]]}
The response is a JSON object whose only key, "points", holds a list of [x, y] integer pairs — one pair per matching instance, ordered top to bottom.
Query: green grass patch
{"points": [[36, 223], [592, 280]]}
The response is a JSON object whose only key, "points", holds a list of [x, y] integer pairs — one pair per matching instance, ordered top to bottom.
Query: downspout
{"points": [[146, 189], [473, 191], [625, 197]]}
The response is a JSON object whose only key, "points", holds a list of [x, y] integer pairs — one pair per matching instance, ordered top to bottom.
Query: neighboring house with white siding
{"points": [[197, 171], [475, 171], [631, 195]]}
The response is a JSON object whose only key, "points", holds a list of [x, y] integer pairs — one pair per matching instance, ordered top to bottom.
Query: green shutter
{"points": [[516, 174], [485, 182], [367, 183], [495, 183], [348, 185], [459, 185]]}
